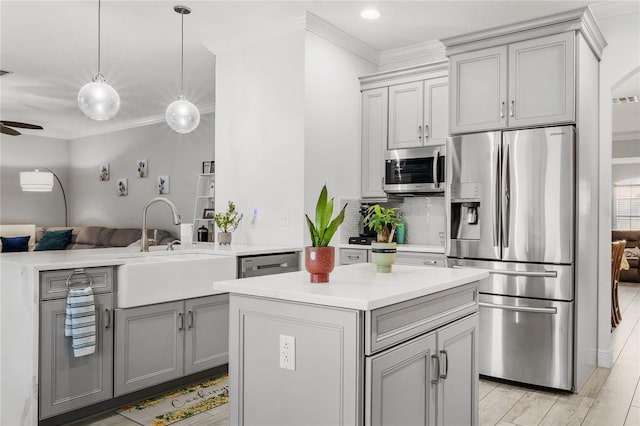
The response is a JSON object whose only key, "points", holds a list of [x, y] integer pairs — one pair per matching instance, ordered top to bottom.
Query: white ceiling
{"points": [[51, 47]]}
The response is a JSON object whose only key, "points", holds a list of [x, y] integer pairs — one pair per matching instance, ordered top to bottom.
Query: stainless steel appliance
{"points": [[415, 170], [510, 204], [267, 264]]}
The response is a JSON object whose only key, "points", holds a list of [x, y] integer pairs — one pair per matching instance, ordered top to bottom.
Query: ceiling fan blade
{"points": [[21, 125], [8, 131]]}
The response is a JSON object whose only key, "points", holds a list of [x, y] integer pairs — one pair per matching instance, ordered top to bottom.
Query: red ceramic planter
{"points": [[319, 262]]}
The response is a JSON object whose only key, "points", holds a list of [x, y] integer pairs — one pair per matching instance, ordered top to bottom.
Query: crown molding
{"points": [[611, 9], [580, 20], [335, 35], [428, 51], [405, 75], [129, 124], [626, 136]]}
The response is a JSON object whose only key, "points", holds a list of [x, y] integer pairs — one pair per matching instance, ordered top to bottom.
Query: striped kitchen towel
{"points": [[80, 321]]}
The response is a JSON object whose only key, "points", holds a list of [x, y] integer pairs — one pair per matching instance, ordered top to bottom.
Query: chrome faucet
{"points": [[174, 211]]}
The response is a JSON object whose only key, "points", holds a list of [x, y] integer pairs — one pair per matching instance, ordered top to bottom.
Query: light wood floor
{"points": [[610, 397]]}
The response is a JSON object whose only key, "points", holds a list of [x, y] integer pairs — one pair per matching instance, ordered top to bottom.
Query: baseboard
{"points": [[605, 359]]}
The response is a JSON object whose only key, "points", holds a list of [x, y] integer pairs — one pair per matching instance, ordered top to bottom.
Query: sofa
{"points": [[86, 237], [633, 242]]}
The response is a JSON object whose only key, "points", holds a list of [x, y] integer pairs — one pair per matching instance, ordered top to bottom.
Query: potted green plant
{"points": [[227, 222], [384, 222], [319, 258]]}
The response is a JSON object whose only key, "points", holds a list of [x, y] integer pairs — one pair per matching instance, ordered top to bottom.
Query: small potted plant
{"points": [[227, 222], [384, 222], [319, 258]]}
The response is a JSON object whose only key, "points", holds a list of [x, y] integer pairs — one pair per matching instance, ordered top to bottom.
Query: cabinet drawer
{"points": [[350, 256], [420, 259], [53, 284], [397, 323]]}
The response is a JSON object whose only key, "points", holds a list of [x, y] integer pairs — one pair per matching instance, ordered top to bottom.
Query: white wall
{"points": [[621, 58], [332, 122], [260, 136], [626, 148], [25, 153], [168, 153]]}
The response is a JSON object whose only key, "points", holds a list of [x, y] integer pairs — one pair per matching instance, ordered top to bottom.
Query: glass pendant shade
{"points": [[97, 100], [182, 116], [36, 181]]}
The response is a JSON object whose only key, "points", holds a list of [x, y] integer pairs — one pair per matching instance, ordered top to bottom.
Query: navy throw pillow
{"points": [[54, 240], [14, 244]]}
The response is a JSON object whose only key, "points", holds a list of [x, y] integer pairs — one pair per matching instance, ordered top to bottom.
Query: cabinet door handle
{"points": [[512, 108], [502, 109], [426, 131], [419, 132], [353, 257], [430, 262], [108, 314], [190, 319], [180, 321], [436, 358], [445, 363]]}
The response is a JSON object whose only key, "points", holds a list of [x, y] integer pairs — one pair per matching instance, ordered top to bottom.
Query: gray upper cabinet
{"points": [[541, 81], [478, 82], [528, 83], [375, 103], [418, 113], [405, 115], [206, 339], [149, 346], [66, 382]]}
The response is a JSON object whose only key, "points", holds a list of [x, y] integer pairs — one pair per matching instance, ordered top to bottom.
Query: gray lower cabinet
{"points": [[351, 256], [206, 339], [165, 341], [430, 380], [66, 382]]}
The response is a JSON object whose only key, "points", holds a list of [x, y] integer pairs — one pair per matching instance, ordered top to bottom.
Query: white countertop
{"points": [[401, 247], [84, 258], [355, 286]]}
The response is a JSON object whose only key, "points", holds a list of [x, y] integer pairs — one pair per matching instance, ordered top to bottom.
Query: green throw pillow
{"points": [[54, 240]]}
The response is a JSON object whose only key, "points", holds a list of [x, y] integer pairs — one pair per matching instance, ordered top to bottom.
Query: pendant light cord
{"points": [[99, 2], [182, 56]]}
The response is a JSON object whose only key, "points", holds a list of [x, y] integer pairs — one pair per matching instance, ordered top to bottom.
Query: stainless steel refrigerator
{"points": [[510, 202]]}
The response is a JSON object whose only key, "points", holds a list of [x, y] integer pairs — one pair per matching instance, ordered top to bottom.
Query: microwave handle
{"points": [[436, 155]]}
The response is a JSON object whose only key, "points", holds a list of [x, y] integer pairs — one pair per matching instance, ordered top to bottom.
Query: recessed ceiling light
{"points": [[370, 14]]}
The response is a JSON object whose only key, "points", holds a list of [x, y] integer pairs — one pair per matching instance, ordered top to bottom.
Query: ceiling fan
{"points": [[6, 127]]}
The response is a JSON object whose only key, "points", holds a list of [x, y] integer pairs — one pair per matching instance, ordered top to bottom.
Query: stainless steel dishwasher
{"points": [[267, 264]]}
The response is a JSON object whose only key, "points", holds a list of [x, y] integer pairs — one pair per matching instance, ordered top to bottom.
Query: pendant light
{"points": [[97, 99], [181, 115]]}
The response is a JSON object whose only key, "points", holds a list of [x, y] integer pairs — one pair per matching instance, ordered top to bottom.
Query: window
{"points": [[627, 206]]}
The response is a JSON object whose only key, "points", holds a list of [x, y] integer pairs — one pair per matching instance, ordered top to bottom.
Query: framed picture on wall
{"points": [[208, 167], [141, 168], [104, 172], [163, 184], [123, 187]]}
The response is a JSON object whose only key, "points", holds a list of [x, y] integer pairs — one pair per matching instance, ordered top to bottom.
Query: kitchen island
{"points": [[366, 348]]}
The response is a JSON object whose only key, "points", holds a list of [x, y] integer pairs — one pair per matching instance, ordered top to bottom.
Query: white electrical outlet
{"points": [[284, 219], [288, 352]]}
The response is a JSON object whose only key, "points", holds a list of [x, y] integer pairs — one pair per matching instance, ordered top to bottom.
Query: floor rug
{"points": [[179, 404]]}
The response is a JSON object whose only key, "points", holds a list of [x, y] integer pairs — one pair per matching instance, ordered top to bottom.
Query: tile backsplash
{"points": [[424, 219]]}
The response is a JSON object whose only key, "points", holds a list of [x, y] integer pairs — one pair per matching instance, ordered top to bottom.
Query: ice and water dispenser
{"points": [[465, 211]]}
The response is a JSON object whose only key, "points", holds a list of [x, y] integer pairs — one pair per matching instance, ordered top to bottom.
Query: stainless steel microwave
{"points": [[415, 170]]}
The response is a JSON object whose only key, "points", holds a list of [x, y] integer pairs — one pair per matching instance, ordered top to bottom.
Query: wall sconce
{"points": [[42, 181]]}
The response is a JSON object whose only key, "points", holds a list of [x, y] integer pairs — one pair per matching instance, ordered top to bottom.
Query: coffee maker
{"points": [[365, 235]]}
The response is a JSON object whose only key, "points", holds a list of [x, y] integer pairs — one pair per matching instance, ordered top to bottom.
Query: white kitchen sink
{"points": [[147, 278]]}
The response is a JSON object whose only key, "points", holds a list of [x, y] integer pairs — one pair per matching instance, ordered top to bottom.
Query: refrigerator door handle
{"points": [[506, 189], [496, 199], [533, 274], [551, 311]]}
